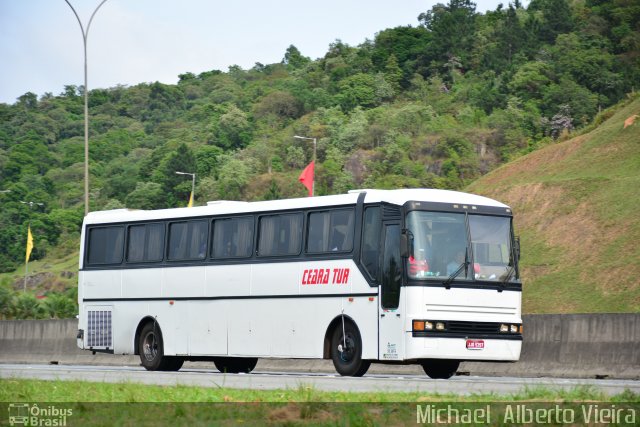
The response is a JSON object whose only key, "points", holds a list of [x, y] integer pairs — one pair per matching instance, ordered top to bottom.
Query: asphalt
{"points": [[264, 380]]}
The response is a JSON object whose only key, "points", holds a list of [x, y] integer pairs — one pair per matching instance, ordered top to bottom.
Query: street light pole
{"points": [[85, 35], [193, 182], [313, 185]]}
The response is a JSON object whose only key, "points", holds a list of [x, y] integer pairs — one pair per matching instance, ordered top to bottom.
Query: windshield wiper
{"points": [[463, 266], [507, 277]]}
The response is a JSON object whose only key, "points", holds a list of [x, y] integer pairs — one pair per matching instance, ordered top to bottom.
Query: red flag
{"points": [[306, 178]]}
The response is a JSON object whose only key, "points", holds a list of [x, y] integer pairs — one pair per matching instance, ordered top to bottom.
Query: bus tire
{"points": [[151, 349], [348, 362], [173, 363], [235, 365], [440, 368]]}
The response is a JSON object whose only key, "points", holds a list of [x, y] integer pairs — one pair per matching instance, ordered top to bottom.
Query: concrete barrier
{"points": [[562, 345], [574, 345]]}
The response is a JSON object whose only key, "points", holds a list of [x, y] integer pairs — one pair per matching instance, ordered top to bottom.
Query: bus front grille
{"points": [[472, 328]]}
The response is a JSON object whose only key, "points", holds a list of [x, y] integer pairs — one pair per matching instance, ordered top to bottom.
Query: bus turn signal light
{"points": [[418, 325]]}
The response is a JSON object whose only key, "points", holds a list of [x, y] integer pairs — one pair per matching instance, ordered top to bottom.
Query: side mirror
{"points": [[517, 247]]}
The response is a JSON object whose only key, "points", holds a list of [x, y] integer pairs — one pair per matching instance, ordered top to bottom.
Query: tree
{"points": [[556, 18], [452, 29], [507, 39], [407, 44], [294, 59], [588, 62], [393, 72], [530, 80], [357, 90], [29, 100], [279, 103], [561, 121], [234, 130], [295, 157], [208, 160], [234, 176], [175, 186], [273, 193], [147, 195], [6, 301], [27, 306], [60, 306]]}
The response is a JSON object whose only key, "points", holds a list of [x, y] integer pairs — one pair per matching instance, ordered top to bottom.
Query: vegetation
{"points": [[437, 105], [23, 390], [84, 403]]}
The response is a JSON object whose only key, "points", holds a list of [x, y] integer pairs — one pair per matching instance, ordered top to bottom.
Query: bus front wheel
{"points": [[151, 349], [346, 351], [235, 365], [440, 368]]}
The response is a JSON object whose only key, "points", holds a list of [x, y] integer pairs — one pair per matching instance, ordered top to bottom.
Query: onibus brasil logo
{"points": [[26, 414]]}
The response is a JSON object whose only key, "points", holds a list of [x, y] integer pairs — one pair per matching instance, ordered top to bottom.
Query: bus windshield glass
{"points": [[491, 242], [438, 245]]}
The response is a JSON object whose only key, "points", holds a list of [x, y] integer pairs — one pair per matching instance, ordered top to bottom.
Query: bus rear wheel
{"points": [[151, 349], [346, 351], [235, 365], [440, 368]]}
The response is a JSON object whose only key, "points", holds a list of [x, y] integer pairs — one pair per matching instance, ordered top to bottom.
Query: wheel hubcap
{"points": [[150, 347], [346, 353]]}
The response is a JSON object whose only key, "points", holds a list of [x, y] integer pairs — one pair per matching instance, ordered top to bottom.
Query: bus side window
{"points": [[371, 230], [330, 231], [280, 235], [232, 238], [187, 240], [145, 243], [106, 245]]}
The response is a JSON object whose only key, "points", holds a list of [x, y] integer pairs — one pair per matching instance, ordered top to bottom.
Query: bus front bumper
{"points": [[467, 348]]}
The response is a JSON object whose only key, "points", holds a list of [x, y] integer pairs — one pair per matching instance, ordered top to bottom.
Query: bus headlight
{"points": [[428, 326], [440, 326], [506, 328]]}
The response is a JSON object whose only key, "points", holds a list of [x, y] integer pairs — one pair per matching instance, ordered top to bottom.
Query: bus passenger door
{"points": [[390, 320]]}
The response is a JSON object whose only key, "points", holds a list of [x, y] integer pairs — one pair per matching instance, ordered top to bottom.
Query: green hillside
{"points": [[576, 207]]}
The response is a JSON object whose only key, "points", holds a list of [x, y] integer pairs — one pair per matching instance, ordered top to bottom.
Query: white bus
{"points": [[393, 276]]}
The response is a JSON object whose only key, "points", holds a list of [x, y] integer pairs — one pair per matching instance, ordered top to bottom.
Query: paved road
{"points": [[262, 380]]}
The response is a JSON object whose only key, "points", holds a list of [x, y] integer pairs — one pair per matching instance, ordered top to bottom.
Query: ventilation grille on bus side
{"points": [[390, 212], [99, 329]]}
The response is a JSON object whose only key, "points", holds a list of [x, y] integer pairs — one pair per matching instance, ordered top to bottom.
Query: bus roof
{"points": [[223, 207]]}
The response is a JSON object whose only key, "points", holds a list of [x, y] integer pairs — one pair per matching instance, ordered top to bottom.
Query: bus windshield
{"points": [[491, 241], [439, 247]]}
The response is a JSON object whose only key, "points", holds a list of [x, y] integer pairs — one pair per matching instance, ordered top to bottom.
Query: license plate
{"points": [[475, 344]]}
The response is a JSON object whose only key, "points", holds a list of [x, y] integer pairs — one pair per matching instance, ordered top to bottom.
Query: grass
{"points": [[52, 273], [23, 390], [88, 403]]}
